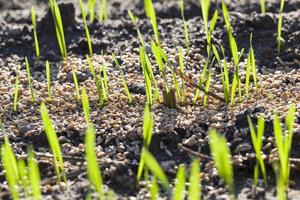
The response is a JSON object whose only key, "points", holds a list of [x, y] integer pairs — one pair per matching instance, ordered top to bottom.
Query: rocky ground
{"points": [[179, 133]]}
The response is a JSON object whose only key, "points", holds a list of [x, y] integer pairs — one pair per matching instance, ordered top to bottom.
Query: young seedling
{"points": [[91, 4], [263, 6], [102, 10], [150, 13], [134, 20], [279, 27], [185, 28], [59, 29], [87, 32], [36, 42], [253, 63], [181, 66], [250, 68], [48, 75], [146, 76], [123, 78], [29, 79], [98, 81], [75, 82], [207, 85], [16, 91], [85, 106], [283, 143], [54, 144], [257, 144], [222, 158], [9, 164], [93, 170], [23, 175], [34, 175], [195, 185], [179, 187], [154, 189]]}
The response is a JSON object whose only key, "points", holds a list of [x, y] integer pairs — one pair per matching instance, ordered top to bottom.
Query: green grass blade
{"points": [[91, 4], [263, 6], [102, 10], [150, 13], [185, 28], [36, 42], [253, 63], [181, 66], [248, 70], [146, 76], [29, 79], [48, 80], [75, 82], [207, 85], [16, 91], [85, 106], [54, 144], [155, 168], [94, 172], [23, 174], [34, 176], [195, 186], [179, 188], [154, 189]]}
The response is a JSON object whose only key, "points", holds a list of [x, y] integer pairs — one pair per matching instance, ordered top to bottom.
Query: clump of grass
{"points": [[91, 3], [263, 6], [102, 10], [150, 13], [279, 27], [185, 28], [59, 29], [36, 42], [48, 76], [123, 78], [29, 79], [16, 91], [283, 143], [54, 144], [257, 144], [222, 158], [9, 164], [179, 187], [194, 192]]}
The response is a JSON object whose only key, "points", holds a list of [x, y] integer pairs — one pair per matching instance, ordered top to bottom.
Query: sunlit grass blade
{"points": [[91, 3], [205, 4], [263, 6], [102, 10], [150, 13], [134, 20], [279, 26], [58, 27], [185, 28], [36, 42], [253, 63], [181, 66], [248, 71], [48, 76], [146, 76], [152, 77], [29, 79], [123, 79], [75, 82], [207, 85], [16, 91], [85, 106], [54, 144], [257, 144], [222, 158], [9, 164], [155, 168], [94, 172], [23, 175], [34, 176], [195, 182], [179, 187], [154, 189]]}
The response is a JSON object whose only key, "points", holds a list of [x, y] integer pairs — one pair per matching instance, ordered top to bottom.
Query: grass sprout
{"points": [[91, 4], [263, 6], [102, 10], [150, 13], [134, 20], [279, 27], [185, 28], [59, 29], [87, 32], [36, 41], [181, 66], [48, 76], [146, 76], [123, 78], [29, 79], [75, 82], [207, 85], [16, 91], [85, 106], [283, 143], [54, 144], [257, 144], [222, 158], [9, 164], [94, 172], [23, 175], [34, 175], [194, 179], [179, 187], [154, 189]]}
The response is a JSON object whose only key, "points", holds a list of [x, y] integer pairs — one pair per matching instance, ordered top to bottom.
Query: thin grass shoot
{"points": [[29, 79]]}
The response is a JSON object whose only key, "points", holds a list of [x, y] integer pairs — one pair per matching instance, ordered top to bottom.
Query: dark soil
{"points": [[179, 134]]}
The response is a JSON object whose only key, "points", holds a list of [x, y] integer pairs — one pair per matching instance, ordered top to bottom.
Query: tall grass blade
{"points": [[91, 4], [150, 13], [36, 42], [181, 66], [29, 79], [75, 82], [34, 176], [195, 185], [179, 188], [154, 189]]}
